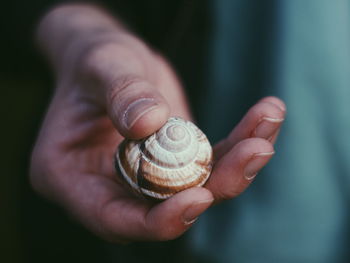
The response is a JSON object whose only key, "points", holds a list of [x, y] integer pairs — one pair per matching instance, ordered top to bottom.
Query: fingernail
{"points": [[137, 109], [267, 127], [255, 164], [250, 177], [191, 214]]}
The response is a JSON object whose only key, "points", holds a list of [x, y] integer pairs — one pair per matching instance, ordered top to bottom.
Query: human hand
{"points": [[117, 87]]}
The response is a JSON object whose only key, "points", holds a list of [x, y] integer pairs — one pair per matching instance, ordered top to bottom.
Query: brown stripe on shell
{"points": [[202, 139], [149, 156], [124, 161], [204, 164], [208, 166], [140, 174], [170, 177], [120, 178], [148, 178], [180, 178], [148, 184], [161, 189]]}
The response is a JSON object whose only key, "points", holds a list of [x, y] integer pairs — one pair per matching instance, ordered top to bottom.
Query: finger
{"points": [[134, 105], [136, 108], [263, 120], [234, 172], [106, 209], [135, 220]]}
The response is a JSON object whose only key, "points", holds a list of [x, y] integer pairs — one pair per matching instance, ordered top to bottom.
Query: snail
{"points": [[178, 156]]}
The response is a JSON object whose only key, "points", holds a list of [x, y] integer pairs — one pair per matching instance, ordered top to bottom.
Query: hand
{"points": [[114, 88]]}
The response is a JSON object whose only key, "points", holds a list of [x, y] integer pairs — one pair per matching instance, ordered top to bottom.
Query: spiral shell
{"points": [[176, 157]]}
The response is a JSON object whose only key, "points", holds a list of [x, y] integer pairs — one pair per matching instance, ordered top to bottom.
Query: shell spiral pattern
{"points": [[176, 157]]}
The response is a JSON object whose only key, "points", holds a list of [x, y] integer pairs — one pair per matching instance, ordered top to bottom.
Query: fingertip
{"points": [[276, 101], [136, 108], [149, 121], [262, 121], [234, 172], [192, 196], [204, 199], [171, 218]]}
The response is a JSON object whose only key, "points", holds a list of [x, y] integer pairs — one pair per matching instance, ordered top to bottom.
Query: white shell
{"points": [[176, 157]]}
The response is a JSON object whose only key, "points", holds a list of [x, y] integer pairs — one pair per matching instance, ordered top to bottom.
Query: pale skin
{"points": [[111, 85]]}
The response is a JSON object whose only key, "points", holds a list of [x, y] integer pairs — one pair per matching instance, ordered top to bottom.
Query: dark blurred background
{"points": [[32, 229]]}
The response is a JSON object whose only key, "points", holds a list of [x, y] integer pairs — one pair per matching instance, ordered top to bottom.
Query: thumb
{"points": [[124, 69], [135, 107]]}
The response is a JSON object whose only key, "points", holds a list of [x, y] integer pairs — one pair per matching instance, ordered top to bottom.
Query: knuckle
{"points": [[99, 50], [101, 55], [110, 55], [93, 57]]}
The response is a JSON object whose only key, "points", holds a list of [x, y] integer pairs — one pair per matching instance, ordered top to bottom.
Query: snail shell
{"points": [[176, 157]]}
